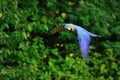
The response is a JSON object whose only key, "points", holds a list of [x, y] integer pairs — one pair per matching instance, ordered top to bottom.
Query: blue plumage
{"points": [[83, 37]]}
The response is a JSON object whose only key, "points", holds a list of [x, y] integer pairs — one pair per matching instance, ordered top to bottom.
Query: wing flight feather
{"points": [[56, 29]]}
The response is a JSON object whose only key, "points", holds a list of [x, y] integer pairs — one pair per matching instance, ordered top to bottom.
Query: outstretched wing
{"points": [[56, 29], [84, 41], [84, 46]]}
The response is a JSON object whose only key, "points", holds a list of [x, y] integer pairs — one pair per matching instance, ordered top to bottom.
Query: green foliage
{"points": [[28, 52]]}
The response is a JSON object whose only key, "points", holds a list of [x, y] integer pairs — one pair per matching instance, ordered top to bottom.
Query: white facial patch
{"points": [[68, 28]]}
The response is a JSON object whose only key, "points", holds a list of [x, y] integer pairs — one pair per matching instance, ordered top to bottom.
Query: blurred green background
{"points": [[27, 52]]}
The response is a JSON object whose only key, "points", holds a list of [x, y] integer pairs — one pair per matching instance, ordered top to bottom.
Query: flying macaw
{"points": [[83, 36]]}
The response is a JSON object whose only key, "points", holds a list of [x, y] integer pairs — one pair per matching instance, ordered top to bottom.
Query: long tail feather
{"points": [[94, 35]]}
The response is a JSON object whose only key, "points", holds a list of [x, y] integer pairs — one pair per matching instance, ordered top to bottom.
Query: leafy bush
{"points": [[28, 52]]}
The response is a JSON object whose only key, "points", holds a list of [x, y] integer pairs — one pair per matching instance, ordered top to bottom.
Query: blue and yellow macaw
{"points": [[83, 36]]}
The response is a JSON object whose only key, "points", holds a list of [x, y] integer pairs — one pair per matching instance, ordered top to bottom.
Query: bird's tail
{"points": [[94, 35]]}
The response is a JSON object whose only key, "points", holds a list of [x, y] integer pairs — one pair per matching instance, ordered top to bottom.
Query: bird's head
{"points": [[70, 27]]}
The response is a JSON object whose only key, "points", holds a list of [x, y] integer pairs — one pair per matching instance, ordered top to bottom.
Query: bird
{"points": [[84, 37]]}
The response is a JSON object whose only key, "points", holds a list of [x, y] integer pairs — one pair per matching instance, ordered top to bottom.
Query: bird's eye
{"points": [[70, 29]]}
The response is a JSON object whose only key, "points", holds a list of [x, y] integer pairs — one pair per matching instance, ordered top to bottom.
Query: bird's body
{"points": [[83, 36]]}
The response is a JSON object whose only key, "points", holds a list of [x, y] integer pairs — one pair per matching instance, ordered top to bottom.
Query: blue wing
{"points": [[84, 41], [84, 46]]}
